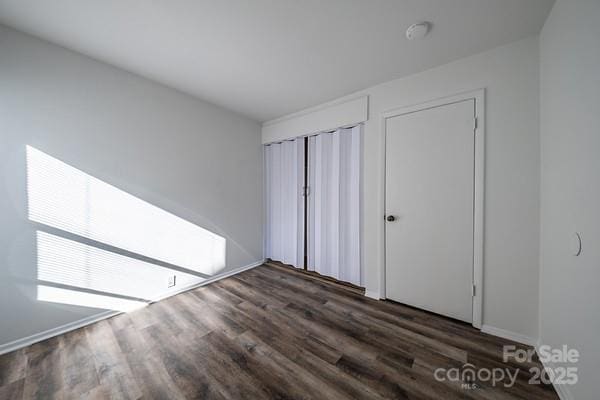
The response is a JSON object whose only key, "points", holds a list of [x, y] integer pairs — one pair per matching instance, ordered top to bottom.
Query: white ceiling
{"points": [[268, 58]]}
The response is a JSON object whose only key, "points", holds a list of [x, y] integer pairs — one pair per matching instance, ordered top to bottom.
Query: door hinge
{"points": [[475, 123], [306, 191], [473, 290]]}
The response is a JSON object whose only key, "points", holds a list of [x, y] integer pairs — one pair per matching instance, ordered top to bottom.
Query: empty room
{"points": [[298, 199]]}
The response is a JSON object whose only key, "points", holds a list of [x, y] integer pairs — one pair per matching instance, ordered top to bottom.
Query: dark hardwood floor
{"points": [[267, 333]]}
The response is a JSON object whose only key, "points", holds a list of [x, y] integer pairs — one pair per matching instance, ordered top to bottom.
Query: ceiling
{"points": [[268, 58]]}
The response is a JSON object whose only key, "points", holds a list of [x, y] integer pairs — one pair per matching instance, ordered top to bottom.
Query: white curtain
{"points": [[284, 182], [334, 204]]}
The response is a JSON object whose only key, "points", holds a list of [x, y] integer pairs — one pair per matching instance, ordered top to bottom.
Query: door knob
{"points": [[390, 218]]}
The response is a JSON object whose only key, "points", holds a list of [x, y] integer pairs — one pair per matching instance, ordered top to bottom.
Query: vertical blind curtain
{"points": [[284, 181], [334, 204]]}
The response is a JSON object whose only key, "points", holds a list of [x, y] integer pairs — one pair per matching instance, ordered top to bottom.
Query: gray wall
{"points": [[510, 75], [193, 159], [570, 185]]}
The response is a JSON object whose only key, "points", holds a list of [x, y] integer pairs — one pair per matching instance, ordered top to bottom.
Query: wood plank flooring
{"points": [[267, 333]]}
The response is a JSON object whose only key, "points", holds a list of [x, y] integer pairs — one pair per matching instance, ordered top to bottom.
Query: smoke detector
{"points": [[418, 30]]}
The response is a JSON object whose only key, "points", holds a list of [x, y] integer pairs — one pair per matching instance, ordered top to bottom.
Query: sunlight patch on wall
{"points": [[68, 199], [67, 262], [66, 296]]}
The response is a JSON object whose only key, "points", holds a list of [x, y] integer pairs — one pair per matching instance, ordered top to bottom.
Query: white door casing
{"points": [[434, 190]]}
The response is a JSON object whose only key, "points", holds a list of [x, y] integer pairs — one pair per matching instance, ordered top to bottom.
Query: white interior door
{"points": [[430, 157]]}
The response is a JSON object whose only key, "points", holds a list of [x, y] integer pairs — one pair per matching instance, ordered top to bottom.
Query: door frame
{"points": [[478, 96]]}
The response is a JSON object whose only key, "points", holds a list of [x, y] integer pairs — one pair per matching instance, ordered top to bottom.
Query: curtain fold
{"points": [[284, 182], [334, 204]]}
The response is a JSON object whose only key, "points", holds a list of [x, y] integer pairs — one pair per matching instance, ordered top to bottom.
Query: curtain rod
{"points": [[315, 134]]}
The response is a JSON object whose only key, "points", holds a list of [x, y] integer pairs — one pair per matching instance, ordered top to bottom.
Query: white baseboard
{"points": [[211, 279], [372, 294], [59, 330], [515, 337], [563, 391]]}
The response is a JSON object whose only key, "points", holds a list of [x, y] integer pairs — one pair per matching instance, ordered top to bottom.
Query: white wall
{"points": [[510, 75], [193, 159], [570, 187]]}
